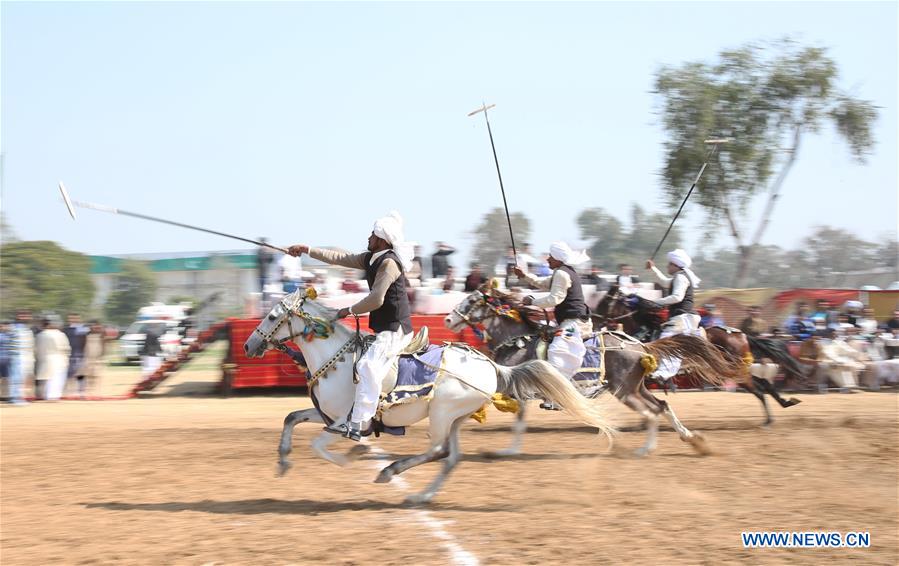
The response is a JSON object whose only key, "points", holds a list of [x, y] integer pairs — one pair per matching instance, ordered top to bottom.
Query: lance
{"points": [[484, 108], [714, 143], [71, 204]]}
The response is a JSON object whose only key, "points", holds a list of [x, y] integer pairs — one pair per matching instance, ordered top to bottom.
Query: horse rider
{"points": [[387, 259], [682, 318], [566, 352]]}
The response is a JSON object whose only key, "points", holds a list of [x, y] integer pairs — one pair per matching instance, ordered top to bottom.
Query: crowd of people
{"points": [[49, 357]]}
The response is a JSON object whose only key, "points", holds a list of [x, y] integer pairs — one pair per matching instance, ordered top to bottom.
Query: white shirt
{"points": [[291, 267], [558, 284], [678, 289]]}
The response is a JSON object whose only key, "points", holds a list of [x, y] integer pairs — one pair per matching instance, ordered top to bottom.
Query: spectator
{"points": [[264, 260], [440, 260], [508, 267], [291, 273], [413, 275], [595, 278], [475, 279], [626, 280], [450, 282], [350, 284], [853, 310], [822, 318], [867, 323], [754, 324], [800, 325], [892, 325], [76, 334], [5, 348], [94, 348], [52, 351], [151, 351], [21, 354]]}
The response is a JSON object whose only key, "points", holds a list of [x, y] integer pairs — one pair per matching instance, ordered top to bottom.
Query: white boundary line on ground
{"points": [[459, 555]]}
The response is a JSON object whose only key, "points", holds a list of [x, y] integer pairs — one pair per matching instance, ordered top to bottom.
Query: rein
{"points": [[314, 327]]}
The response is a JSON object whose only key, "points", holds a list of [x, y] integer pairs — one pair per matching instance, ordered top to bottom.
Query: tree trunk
{"points": [[746, 252]]}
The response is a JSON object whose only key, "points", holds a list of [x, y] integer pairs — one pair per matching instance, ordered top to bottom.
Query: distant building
{"points": [[197, 275]]}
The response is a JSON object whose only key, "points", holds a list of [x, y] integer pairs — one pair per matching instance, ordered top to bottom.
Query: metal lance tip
{"points": [[717, 141], [67, 200]]}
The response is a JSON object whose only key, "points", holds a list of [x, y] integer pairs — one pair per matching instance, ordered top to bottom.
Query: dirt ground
{"points": [[187, 478]]}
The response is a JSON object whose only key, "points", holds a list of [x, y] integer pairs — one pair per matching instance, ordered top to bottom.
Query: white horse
{"points": [[465, 382]]}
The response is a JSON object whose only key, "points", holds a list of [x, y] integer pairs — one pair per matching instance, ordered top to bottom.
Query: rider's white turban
{"points": [[390, 228], [563, 252], [680, 258]]}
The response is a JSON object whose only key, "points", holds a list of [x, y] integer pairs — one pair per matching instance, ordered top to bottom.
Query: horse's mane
{"points": [[319, 309]]}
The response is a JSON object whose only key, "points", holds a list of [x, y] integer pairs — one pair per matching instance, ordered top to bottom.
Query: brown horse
{"points": [[640, 317], [511, 338]]}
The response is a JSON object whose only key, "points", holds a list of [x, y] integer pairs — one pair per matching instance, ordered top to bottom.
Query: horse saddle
{"points": [[419, 343]]}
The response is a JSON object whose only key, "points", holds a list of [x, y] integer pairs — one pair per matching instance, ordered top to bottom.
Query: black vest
{"points": [[574, 305], [685, 306], [395, 312]]}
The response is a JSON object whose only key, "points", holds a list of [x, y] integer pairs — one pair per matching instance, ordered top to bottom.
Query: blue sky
{"points": [[304, 121]]}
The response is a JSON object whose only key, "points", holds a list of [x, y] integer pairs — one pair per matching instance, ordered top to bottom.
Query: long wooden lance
{"points": [[484, 108], [714, 143], [71, 204]]}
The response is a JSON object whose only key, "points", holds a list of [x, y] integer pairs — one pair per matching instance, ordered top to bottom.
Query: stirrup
{"points": [[344, 430]]}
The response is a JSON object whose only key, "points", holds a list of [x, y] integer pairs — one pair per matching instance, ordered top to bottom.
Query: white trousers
{"points": [[681, 324], [566, 351], [149, 364], [373, 368], [56, 384]]}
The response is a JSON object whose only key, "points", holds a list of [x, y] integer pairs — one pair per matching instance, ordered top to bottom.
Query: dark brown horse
{"points": [[641, 317], [511, 338]]}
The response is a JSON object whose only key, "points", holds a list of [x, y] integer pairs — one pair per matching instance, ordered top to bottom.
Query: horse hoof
{"points": [[793, 401], [697, 441], [642, 451], [283, 467], [385, 476], [419, 499]]}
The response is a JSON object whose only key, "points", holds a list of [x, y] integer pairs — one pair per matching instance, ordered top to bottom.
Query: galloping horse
{"points": [[644, 321], [624, 361], [465, 381]]}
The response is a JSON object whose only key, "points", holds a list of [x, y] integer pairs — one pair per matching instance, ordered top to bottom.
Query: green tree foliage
{"points": [[764, 98], [491, 236], [614, 243], [829, 257], [42, 276], [135, 288]]}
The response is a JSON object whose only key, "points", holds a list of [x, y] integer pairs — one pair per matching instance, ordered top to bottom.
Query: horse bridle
{"points": [[294, 308]]}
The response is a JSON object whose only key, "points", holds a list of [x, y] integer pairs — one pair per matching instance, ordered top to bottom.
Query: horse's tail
{"points": [[777, 351], [698, 357], [537, 378]]}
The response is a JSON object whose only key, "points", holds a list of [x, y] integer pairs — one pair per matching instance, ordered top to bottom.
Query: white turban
{"points": [[390, 229], [563, 252], [680, 258]]}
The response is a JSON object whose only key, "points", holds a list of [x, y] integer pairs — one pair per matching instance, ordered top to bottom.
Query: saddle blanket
{"points": [[588, 375], [415, 378]]}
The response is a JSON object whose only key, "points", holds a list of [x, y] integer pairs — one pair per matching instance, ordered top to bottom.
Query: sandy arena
{"points": [[181, 479]]}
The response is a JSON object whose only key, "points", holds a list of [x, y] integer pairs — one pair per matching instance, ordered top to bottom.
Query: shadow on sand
{"points": [[260, 506]]}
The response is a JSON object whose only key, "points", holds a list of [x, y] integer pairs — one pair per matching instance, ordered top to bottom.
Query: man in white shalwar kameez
{"points": [[385, 262], [566, 298], [682, 319], [51, 348]]}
